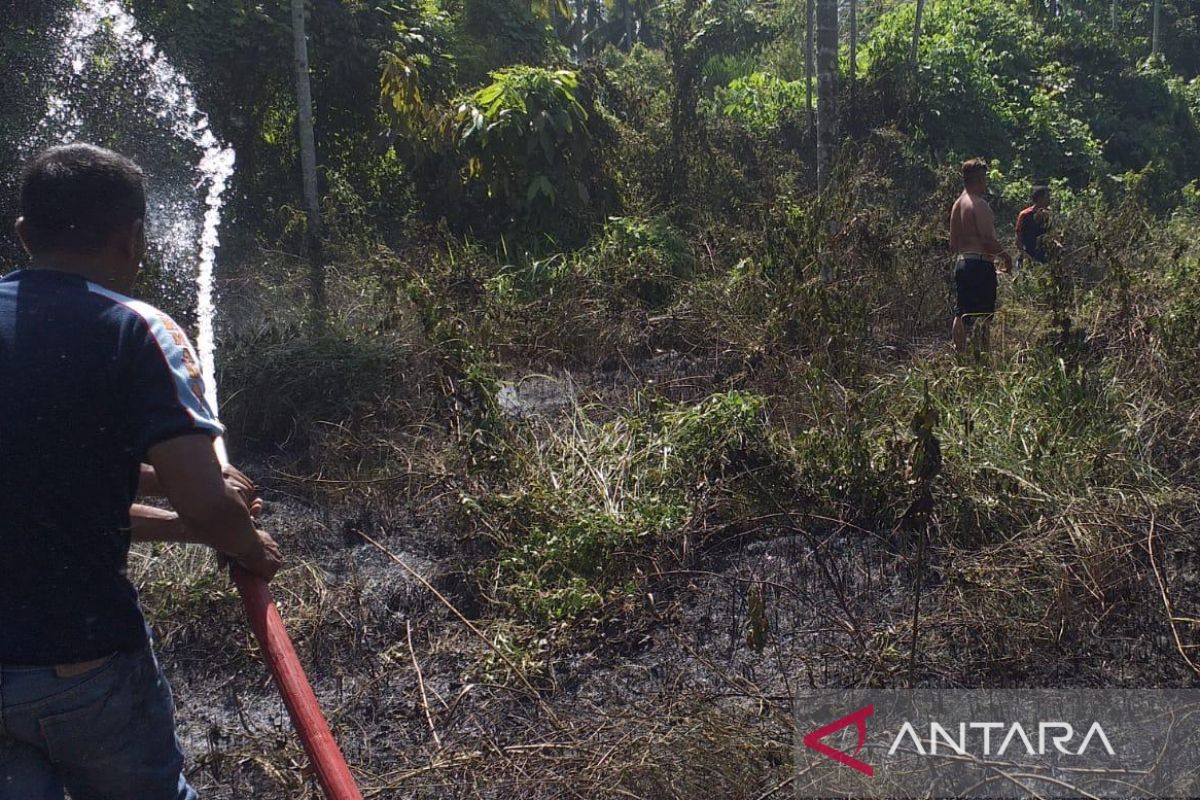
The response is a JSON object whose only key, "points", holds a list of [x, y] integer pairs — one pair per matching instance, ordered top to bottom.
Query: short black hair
{"points": [[1039, 192], [75, 197]]}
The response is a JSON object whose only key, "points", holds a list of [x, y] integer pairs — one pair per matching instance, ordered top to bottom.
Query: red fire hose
{"points": [[323, 753], [327, 761]]}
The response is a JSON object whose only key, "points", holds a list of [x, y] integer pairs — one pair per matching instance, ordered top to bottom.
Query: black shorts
{"points": [[975, 289]]}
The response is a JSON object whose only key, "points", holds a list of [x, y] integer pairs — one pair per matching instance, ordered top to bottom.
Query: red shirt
{"points": [[1031, 226]]}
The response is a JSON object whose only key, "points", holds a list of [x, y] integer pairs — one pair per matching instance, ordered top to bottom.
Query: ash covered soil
{"points": [[665, 694]]}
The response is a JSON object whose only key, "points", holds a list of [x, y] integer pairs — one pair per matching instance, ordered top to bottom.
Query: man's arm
{"points": [[954, 228], [150, 486], [213, 512], [150, 524]]}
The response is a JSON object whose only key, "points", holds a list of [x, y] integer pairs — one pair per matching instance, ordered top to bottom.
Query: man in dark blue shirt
{"points": [[97, 392]]}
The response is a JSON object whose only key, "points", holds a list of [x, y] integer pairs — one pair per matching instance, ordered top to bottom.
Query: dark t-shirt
{"points": [[1031, 227], [89, 380]]}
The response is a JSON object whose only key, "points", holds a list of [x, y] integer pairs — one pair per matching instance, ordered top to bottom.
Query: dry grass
{"points": [[646, 577]]}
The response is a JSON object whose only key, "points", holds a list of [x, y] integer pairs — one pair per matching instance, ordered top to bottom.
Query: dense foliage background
{"points": [[1064, 98]]}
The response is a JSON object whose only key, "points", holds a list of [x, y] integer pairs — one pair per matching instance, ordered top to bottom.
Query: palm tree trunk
{"points": [[580, 13], [596, 16], [1155, 40], [916, 42], [827, 51], [853, 51], [808, 60], [308, 157]]}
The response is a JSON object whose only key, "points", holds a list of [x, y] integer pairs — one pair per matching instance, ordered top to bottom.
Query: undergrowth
{"points": [[593, 506]]}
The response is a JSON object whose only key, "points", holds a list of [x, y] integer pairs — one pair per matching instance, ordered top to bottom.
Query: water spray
{"points": [[171, 99]]}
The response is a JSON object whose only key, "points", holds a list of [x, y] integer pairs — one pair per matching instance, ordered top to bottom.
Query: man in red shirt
{"points": [[1032, 225]]}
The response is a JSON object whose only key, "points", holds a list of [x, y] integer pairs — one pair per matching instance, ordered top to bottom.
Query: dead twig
{"points": [[918, 581], [1168, 606], [533, 692], [437, 740]]}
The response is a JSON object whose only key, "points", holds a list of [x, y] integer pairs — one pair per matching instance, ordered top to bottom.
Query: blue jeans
{"points": [[108, 734]]}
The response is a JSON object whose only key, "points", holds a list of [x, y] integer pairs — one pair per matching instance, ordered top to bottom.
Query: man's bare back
{"points": [[973, 227], [973, 239]]}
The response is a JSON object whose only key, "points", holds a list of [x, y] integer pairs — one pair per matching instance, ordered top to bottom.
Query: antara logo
{"points": [[859, 720], [1059, 734], [1049, 737]]}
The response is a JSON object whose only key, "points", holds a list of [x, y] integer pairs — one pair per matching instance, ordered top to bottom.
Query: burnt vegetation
{"points": [[659, 431]]}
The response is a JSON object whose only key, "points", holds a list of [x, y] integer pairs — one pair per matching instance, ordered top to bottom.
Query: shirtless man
{"points": [[973, 239]]}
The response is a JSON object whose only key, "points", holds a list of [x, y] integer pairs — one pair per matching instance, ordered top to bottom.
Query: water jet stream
{"points": [[170, 98]]}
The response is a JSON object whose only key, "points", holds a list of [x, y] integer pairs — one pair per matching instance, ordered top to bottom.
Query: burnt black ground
{"points": [[661, 696]]}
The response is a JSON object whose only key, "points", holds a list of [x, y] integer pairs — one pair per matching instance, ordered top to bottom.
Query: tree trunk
{"points": [[1053, 9], [1112, 14], [580, 15], [627, 19], [595, 20], [1156, 40], [916, 42], [827, 52], [853, 53], [808, 60], [685, 75], [308, 158]]}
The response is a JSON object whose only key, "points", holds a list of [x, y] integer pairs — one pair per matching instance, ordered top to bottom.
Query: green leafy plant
{"points": [[760, 101], [1067, 102], [525, 139], [644, 260], [591, 503]]}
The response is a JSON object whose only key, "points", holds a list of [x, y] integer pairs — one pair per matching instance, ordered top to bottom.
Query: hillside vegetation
{"points": [[672, 429]]}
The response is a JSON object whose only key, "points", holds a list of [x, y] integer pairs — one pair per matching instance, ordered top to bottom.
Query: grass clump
{"points": [[642, 259], [583, 306], [288, 381], [338, 412], [1040, 430], [594, 507]]}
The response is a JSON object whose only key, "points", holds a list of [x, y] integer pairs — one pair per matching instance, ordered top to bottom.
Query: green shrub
{"points": [[500, 33], [760, 101], [1066, 102], [525, 138], [641, 261], [585, 306], [1179, 314], [291, 381], [592, 505]]}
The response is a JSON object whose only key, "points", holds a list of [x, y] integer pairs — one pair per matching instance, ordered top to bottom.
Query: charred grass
{"points": [[619, 596]]}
